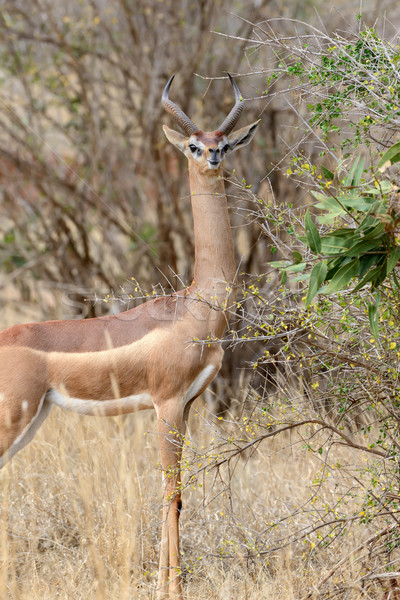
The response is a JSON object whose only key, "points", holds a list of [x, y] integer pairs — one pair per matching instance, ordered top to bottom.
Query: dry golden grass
{"points": [[80, 518]]}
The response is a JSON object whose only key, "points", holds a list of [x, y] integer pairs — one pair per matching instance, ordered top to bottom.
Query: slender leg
{"points": [[23, 404], [171, 429], [26, 435]]}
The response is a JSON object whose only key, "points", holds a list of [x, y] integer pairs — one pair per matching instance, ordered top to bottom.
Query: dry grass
{"points": [[80, 518]]}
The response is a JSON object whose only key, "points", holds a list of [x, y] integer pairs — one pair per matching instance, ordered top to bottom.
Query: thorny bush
{"points": [[326, 376]]}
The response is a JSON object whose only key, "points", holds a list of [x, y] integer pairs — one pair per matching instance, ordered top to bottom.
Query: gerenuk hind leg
{"points": [[23, 405]]}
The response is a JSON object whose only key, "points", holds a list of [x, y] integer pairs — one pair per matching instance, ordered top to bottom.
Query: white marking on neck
{"points": [[107, 408]]}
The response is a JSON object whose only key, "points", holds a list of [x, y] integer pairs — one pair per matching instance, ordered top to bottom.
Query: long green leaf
{"points": [[390, 157], [358, 172], [349, 178], [353, 178], [384, 187], [322, 197], [356, 201], [326, 202], [329, 217], [371, 223], [344, 232], [375, 232], [313, 237], [331, 244], [363, 246], [393, 259], [367, 261], [334, 265], [343, 276], [371, 276], [380, 277], [317, 278], [373, 317]]}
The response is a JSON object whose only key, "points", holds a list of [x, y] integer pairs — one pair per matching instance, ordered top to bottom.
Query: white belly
{"points": [[134, 403], [102, 408]]}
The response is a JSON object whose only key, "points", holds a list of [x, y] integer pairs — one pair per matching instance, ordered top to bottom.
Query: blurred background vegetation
{"points": [[92, 195]]}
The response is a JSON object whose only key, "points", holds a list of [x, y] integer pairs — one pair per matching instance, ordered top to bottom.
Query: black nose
{"points": [[214, 158]]}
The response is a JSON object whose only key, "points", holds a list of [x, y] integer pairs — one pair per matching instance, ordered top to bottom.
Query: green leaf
{"points": [[390, 157], [358, 172], [327, 173], [353, 178], [383, 187], [321, 197], [355, 201], [326, 202], [328, 218], [368, 222], [344, 231], [375, 232], [9, 237], [313, 237], [331, 244], [363, 246], [297, 257], [393, 259], [18, 260], [367, 261], [279, 264], [335, 265], [296, 268], [381, 275], [343, 276], [371, 276], [301, 277], [317, 278], [373, 317]]}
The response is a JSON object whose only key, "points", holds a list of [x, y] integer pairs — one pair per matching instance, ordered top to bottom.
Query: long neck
{"points": [[214, 268]]}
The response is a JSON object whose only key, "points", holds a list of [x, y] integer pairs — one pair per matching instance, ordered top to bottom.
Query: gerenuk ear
{"points": [[242, 137], [176, 138]]}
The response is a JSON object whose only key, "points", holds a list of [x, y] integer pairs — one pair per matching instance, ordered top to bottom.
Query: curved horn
{"points": [[236, 111], [183, 120]]}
